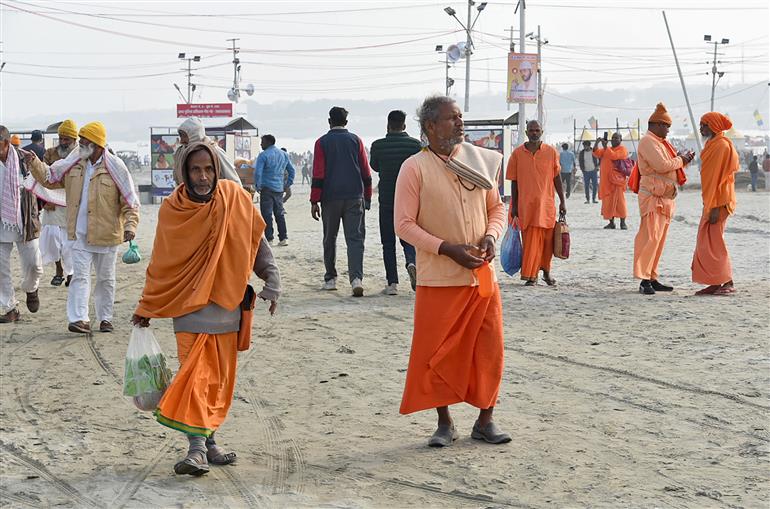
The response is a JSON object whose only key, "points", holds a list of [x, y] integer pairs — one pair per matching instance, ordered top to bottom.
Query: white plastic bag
{"points": [[146, 374]]}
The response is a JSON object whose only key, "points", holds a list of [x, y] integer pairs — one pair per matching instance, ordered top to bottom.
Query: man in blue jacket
{"points": [[269, 182], [340, 191]]}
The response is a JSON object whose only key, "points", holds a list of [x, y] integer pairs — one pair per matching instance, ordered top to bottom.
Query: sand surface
{"points": [[613, 398]]}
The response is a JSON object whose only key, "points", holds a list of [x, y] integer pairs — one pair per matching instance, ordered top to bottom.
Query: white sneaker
{"points": [[283, 243], [330, 284], [358, 288], [391, 289]]}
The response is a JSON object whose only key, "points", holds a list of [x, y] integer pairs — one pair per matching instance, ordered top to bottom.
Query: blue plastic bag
{"points": [[511, 250], [132, 254]]}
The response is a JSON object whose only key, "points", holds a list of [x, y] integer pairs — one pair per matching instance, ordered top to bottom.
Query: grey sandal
{"points": [[490, 434], [444, 435]]}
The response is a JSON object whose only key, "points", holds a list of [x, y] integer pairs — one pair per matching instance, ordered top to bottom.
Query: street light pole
{"points": [[468, 43], [190, 86]]}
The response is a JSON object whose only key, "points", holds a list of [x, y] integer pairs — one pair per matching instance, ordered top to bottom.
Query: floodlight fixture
{"points": [[481, 6], [450, 11], [707, 38], [725, 41], [439, 47], [181, 56], [196, 58]]}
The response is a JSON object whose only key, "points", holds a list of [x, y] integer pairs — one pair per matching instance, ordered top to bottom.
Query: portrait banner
{"points": [[522, 78]]}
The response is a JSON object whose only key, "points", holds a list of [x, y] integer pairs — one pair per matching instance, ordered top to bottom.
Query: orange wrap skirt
{"points": [[537, 244], [711, 263], [457, 349], [200, 395]]}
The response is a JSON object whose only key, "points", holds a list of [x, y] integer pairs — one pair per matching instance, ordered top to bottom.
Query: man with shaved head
{"points": [[533, 170]]}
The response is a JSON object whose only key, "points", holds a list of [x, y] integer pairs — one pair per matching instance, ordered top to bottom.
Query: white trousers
{"points": [[54, 246], [31, 271], [80, 286]]}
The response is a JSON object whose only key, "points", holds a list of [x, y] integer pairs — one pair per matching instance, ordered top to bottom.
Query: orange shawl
{"points": [[719, 162], [608, 176], [203, 252]]}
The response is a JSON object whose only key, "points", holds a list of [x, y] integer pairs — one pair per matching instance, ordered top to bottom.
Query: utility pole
{"points": [[540, 44], [522, 46], [512, 49], [716, 75], [190, 85], [235, 93]]}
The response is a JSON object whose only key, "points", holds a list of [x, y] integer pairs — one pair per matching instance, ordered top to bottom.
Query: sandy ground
{"points": [[613, 399]]}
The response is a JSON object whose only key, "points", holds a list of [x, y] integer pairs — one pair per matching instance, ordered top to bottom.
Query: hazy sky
{"points": [[65, 56]]}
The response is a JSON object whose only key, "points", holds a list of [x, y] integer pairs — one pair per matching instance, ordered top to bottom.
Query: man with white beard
{"points": [[102, 212], [53, 237]]}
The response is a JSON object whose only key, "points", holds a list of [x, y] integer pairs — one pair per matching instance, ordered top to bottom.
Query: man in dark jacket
{"points": [[37, 146], [387, 155], [341, 190]]}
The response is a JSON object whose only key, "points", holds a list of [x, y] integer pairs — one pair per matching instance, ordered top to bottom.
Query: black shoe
{"points": [[610, 226], [68, 280], [645, 287], [660, 287], [33, 302]]}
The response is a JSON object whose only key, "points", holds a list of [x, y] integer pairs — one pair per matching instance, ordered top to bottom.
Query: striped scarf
{"points": [[10, 205]]}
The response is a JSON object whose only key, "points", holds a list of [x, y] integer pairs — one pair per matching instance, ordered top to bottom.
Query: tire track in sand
{"points": [[104, 365], [60, 484], [132, 486]]}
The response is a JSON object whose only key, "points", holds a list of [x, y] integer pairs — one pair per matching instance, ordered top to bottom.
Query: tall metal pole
{"points": [[522, 48], [468, 59], [446, 73], [713, 76], [189, 78], [539, 79], [684, 88]]}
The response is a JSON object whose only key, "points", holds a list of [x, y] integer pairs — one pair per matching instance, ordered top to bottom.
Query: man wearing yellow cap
{"points": [[719, 161], [659, 165], [102, 212], [53, 237]]}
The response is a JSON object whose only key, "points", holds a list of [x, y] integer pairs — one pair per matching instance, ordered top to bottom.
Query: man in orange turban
{"points": [[719, 161], [658, 164], [612, 183], [207, 243]]}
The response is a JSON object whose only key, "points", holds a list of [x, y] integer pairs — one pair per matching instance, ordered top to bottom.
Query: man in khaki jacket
{"points": [[99, 181]]}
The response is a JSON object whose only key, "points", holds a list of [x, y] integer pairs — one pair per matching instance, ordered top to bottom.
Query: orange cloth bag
{"points": [[561, 240], [247, 315]]}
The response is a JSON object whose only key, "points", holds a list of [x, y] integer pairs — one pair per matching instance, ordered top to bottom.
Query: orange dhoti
{"points": [[614, 203], [537, 244], [648, 244], [711, 263], [457, 349], [200, 395]]}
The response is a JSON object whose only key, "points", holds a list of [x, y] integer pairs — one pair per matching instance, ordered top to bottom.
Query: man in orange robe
{"points": [[719, 161], [658, 164], [533, 170], [612, 183], [207, 243], [457, 346]]}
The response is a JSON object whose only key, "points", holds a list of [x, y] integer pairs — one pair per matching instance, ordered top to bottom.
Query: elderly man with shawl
{"points": [[192, 131], [719, 161], [447, 205], [102, 213], [19, 225], [208, 241]]}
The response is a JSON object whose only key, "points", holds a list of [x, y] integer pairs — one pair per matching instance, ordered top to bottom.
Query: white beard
{"points": [[86, 152]]}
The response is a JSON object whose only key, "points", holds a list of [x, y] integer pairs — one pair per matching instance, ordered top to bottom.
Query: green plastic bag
{"points": [[132, 254], [146, 374]]}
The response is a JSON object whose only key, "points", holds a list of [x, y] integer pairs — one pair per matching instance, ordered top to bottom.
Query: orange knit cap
{"points": [[661, 115], [716, 121]]}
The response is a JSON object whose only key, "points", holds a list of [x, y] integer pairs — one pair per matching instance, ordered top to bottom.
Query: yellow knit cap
{"points": [[69, 129], [94, 132]]}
